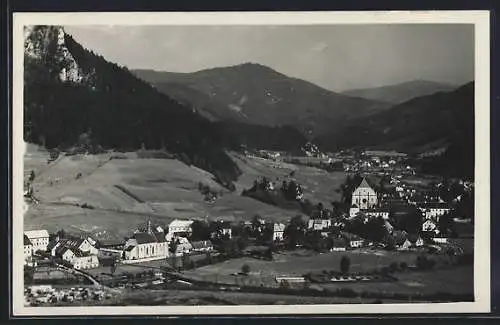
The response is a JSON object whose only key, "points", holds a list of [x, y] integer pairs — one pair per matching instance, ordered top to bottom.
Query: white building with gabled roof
{"points": [[180, 226], [39, 239]]}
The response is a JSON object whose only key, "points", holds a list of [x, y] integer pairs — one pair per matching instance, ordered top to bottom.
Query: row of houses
{"points": [[82, 252]]}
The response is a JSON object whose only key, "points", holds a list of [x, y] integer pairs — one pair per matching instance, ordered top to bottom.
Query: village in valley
{"points": [[302, 168], [393, 234]]}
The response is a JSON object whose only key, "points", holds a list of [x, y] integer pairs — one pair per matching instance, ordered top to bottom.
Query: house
{"points": [[364, 196], [434, 210], [353, 211], [375, 213], [319, 224], [429, 226], [388, 227], [180, 228], [221, 229], [227, 230], [278, 231], [39, 239], [415, 240], [440, 240], [353, 241], [86, 245], [146, 245], [338, 245], [404, 245], [183, 246], [202, 246], [28, 250], [78, 259]]}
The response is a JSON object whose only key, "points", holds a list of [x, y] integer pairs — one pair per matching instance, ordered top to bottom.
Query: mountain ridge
{"points": [[401, 92], [264, 96], [440, 120]]}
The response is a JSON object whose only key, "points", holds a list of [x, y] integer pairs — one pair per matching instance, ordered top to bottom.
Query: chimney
{"points": [[149, 227]]}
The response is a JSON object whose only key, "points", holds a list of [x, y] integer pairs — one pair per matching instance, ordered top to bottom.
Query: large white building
{"points": [[364, 196], [180, 227], [39, 239]]}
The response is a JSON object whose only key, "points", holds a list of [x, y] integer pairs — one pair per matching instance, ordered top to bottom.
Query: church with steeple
{"points": [[364, 196]]}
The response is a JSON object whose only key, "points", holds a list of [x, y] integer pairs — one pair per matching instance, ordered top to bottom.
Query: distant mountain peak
{"points": [[254, 93]]}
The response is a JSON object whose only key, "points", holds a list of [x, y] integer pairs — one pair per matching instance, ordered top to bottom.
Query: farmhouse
{"points": [[364, 196], [278, 231], [39, 239], [86, 245], [183, 246], [28, 250], [78, 259]]}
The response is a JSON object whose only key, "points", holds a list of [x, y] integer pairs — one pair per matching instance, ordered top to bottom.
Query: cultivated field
{"points": [[109, 197], [454, 280]]}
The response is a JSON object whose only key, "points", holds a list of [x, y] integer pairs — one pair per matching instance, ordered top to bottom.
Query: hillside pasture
{"points": [[318, 185]]}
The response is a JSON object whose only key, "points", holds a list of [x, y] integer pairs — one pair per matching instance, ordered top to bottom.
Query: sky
{"points": [[336, 57]]}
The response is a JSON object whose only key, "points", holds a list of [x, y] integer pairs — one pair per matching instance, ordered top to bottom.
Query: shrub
{"points": [[345, 264], [403, 266], [393, 267], [245, 269]]}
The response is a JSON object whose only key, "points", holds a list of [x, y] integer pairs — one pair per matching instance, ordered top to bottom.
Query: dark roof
{"points": [[364, 184], [160, 236], [350, 236], [144, 238], [413, 238], [27, 241], [72, 242], [339, 242], [75, 251], [79, 253]]}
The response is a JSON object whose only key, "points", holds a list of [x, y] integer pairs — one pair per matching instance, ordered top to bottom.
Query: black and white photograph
{"points": [[228, 163]]}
